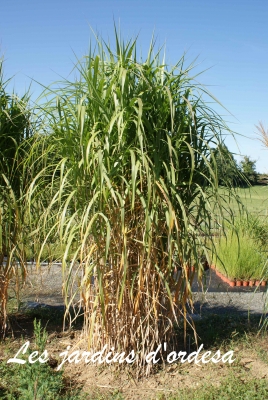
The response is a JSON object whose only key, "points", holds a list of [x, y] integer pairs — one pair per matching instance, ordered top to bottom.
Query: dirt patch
{"points": [[41, 298], [250, 352], [166, 381]]}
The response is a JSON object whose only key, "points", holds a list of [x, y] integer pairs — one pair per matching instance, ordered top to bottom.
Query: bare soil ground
{"points": [[222, 323], [104, 382]]}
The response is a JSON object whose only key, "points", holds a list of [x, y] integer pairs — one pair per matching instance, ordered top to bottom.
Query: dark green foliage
{"points": [[15, 129], [248, 168], [228, 171]]}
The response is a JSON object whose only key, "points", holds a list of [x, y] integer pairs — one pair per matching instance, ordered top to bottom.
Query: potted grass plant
{"points": [[241, 253]]}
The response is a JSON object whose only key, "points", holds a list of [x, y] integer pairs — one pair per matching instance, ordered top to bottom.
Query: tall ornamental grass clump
{"points": [[15, 132], [130, 185]]}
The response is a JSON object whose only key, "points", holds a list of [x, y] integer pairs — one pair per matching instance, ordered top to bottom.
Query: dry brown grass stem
{"points": [[262, 134]]}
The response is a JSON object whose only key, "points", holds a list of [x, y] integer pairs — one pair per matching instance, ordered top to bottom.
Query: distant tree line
{"points": [[232, 173]]}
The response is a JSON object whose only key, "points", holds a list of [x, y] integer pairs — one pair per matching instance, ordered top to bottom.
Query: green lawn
{"points": [[255, 199]]}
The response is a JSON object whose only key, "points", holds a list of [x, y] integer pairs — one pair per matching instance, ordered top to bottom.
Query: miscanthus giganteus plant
{"points": [[15, 134], [131, 185]]}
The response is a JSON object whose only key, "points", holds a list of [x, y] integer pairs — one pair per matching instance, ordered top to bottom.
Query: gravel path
{"points": [[46, 289], [229, 302]]}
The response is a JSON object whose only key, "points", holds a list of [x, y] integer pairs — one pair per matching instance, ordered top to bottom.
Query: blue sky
{"points": [[39, 40]]}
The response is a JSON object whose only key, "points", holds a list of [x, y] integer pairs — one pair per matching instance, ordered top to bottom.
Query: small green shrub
{"points": [[32, 381]]}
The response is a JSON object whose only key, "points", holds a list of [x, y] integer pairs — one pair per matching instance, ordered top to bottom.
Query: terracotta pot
{"points": [[220, 275], [238, 282], [251, 282], [257, 282], [232, 283], [245, 283], [263, 283]]}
